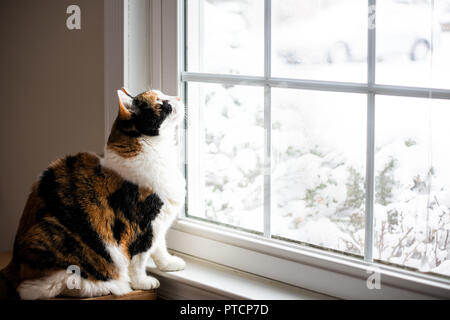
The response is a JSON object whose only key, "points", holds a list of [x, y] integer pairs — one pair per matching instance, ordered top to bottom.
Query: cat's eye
{"points": [[166, 106]]}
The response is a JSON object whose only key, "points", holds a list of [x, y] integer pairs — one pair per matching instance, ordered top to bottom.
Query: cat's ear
{"points": [[126, 91], [125, 103]]}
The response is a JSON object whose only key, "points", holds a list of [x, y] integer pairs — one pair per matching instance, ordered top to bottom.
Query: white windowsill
{"points": [[298, 266], [206, 280]]}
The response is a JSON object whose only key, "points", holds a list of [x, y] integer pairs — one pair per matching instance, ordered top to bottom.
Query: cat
{"points": [[104, 216]]}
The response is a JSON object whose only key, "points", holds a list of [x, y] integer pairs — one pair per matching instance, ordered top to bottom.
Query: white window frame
{"points": [[153, 35]]}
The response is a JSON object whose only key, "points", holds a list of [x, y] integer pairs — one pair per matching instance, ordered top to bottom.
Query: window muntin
{"points": [[269, 82]]}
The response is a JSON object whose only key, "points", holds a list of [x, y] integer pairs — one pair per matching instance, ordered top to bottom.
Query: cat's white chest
{"points": [[156, 168], [162, 174], [165, 179]]}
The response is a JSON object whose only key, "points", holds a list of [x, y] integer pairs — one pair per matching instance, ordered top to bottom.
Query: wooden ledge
{"points": [[134, 295]]}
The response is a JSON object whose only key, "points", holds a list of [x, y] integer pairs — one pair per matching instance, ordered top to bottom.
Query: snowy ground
{"points": [[319, 139]]}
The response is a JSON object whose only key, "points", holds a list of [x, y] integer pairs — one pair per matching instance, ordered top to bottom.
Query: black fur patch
{"points": [[166, 108], [146, 120], [127, 127], [98, 171], [126, 200], [147, 210], [73, 217], [117, 229], [142, 243], [68, 246], [39, 258]]}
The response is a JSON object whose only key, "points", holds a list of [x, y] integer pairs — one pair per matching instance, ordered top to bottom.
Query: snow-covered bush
{"points": [[318, 153]]}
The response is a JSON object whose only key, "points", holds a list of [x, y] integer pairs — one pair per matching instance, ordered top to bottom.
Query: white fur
{"points": [[155, 168], [138, 275], [56, 284], [47, 287]]}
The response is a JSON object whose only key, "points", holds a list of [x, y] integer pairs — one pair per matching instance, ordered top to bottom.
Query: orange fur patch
{"points": [[122, 144]]}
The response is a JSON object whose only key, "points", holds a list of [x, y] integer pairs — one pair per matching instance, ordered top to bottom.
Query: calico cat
{"points": [[104, 216]]}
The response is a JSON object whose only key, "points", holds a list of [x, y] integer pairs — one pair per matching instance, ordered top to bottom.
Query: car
{"points": [[444, 20], [338, 33]]}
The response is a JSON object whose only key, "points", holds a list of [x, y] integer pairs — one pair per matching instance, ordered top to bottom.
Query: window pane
{"points": [[225, 36], [322, 40], [405, 43], [318, 149], [225, 154], [412, 183]]}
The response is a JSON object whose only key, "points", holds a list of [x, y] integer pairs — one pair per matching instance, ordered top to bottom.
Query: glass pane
{"points": [[409, 34], [225, 36], [319, 39], [318, 149], [225, 154], [412, 183]]}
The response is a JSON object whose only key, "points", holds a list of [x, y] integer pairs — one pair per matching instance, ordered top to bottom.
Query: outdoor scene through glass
{"points": [[313, 181]]}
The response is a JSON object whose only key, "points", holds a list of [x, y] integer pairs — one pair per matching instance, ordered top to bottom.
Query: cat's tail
{"points": [[9, 280]]}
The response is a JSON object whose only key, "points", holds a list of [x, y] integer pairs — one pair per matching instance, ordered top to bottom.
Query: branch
{"points": [[400, 241]]}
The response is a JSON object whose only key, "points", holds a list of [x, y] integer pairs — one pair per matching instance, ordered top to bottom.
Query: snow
{"points": [[319, 138]]}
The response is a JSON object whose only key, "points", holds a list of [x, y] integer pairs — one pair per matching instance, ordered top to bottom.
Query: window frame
{"points": [[310, 268]]}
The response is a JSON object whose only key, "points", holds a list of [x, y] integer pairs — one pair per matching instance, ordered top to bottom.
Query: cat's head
{"points": [[150, 113]]}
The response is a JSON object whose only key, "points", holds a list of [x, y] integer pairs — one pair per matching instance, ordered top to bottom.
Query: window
{"points": [[319, 123], [315, 148]]}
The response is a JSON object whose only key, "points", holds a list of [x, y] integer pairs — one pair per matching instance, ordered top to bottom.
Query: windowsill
{"points": [[312, 269], [206, 280]]}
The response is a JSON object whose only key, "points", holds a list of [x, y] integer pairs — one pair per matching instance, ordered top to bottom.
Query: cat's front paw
{"points": [[172, 263], [145, 283]]}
